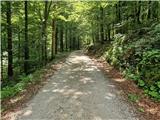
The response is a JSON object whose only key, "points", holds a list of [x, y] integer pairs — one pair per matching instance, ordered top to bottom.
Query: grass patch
{"points": [[133, 97]]}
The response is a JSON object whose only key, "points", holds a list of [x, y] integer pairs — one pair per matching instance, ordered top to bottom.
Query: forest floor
{"points": [[78, 91]]}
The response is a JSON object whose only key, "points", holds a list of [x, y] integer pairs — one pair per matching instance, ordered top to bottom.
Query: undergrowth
{"points": [[137, 56], [23, 81]]}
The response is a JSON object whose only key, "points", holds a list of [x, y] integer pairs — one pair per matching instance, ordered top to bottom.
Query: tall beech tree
{"points": [[44, 27], [9, 35], [53, 40], [26, 45]]}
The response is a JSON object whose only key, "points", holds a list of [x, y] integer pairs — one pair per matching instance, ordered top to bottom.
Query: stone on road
{"points": [[78, 91]]}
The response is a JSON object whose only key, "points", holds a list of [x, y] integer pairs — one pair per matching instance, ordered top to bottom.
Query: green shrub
{"points": [[139, 59], [10, 91], [133, 97]]}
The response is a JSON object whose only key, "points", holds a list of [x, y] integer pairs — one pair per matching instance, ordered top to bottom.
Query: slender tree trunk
{"points": [[149, 10], [119, 11], [154, 11], [135, 12], [138, 12], [118, 14], [101, 24], [98, 27], [113, 30], [44, 32], [9, 34], [44, 35], [109, 35], [93, 37], [3, 38], [66, 38], [61, 39], [70, 39], [53, 40], [56, 40], [78, 43], [73, 44], [19, 47], [26, 48], [19, 50], [39, 51]]}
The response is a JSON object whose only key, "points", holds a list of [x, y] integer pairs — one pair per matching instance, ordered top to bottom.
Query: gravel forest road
{"points": [[78, 91]]}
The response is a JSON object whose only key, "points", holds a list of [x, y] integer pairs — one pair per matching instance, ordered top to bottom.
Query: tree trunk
{"points": [[149, 10], [119, 11], [138, 12], [118, 14], [101, 24], [44, 33], [9, 34], [109, 35], [93, 36], [66, 38], [61, 39], [70, 39], [53, 40], [56, 40], [78, 43], [73, 44], [19, 47], [26, 49]]}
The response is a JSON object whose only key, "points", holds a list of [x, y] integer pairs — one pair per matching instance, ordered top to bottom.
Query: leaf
{"points": [[141, 83]]}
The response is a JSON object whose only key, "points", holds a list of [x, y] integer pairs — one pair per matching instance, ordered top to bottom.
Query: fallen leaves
{"points": [[150, 108]]}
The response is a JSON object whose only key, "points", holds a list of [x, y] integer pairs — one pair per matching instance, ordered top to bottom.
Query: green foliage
{"points": [[115, 52], [138, 58], [10, 91], [133, 97], [141, 109]]}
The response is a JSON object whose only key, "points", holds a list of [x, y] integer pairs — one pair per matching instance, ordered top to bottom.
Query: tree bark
{"points": [[149, 10], [119, 11], [138, 12], [118, 14], [101, 24], [109, 33], [9, 35], [44, 35], [66, 38], [61, 39], [70, 39], [53, 40], [56, 40], [78, 43], [19, 47], [26, 48]]}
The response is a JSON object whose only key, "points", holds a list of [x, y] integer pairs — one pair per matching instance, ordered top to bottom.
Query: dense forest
{"points": [[127, 34]]}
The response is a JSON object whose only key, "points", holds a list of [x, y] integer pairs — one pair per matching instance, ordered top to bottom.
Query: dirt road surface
{"points": [[78, 91]]}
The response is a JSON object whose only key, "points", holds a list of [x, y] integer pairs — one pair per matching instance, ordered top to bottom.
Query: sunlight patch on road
{"points": [[77, 59], [119, 79], [86, 80], [110, 96], [27, 113], [97, 118]]}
